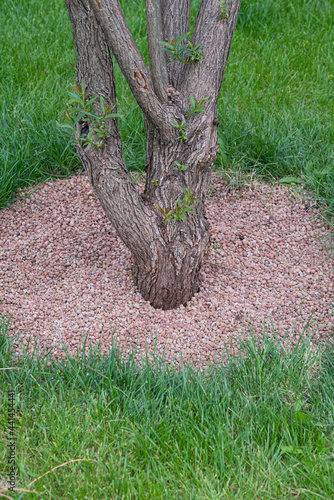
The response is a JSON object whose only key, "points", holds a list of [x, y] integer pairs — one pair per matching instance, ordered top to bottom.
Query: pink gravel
{"points": [[66, 275]]}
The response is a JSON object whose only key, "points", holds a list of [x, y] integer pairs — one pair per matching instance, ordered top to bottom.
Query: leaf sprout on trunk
{"points": [[224, 14], [183, 52], [196, 106], [82, 111], [182, 130], [179, 166], [182, 207]]}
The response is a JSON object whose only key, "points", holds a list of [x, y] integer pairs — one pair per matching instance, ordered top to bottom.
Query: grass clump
{"points": [[259, 427]]}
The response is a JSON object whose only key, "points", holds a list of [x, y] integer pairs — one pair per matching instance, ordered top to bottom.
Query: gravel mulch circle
{"points": [[66, 275]]}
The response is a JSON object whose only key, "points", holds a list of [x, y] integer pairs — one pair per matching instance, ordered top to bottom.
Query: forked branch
{"points": [[119, 38], [133, 220]]}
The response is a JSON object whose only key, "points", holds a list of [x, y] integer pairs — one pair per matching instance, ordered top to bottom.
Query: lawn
{"points": [[261, 427]]}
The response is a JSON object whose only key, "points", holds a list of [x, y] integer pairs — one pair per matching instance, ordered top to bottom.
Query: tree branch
{"points": [[111, 18], [176, 22], [215, 34], [156, 54], [135, 223]]}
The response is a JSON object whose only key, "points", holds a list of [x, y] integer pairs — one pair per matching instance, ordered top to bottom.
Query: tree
{"points": [[166, 228]]}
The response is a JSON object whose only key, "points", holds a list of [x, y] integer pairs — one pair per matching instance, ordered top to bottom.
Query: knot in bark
{"points": [[174, 97]]}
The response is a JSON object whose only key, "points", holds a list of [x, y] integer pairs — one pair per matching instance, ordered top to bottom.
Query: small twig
{"points": [[13, 368], [99, 373], [61, 465], [22, 489], [5, 496]]}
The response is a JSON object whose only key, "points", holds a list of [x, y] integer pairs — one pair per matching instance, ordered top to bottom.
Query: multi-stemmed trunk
{"points": [[168, 255]]}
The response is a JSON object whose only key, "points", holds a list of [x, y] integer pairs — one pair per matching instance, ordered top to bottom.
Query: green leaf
{"points": [[181, 38], [166, 44], [169, 49], [171, 53], [76, 95], [75, 99], [92, 100], [204, 100], [192, 101], [102, 103], [93, 115], [79, 116], [290, 180], [182, 217]]}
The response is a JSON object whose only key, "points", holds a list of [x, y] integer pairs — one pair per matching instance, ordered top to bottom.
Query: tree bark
{"points": [[176, 22], [116, 31], [155, 52], [208, 76], [167, 256]]}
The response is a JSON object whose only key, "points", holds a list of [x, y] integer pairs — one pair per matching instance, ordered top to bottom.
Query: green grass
{"points": [[276, 105], [275, 109], [260, 428]]}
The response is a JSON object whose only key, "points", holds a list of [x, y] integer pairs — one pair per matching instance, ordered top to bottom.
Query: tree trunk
{"points": [[168, 254]]}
